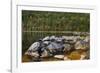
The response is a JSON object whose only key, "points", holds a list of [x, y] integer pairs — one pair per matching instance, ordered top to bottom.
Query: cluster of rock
{"points": [[59, 47]]}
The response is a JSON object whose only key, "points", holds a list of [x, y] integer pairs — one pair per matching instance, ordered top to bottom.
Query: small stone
{"points": [[59, 56], [82, 57], [66, 58]]}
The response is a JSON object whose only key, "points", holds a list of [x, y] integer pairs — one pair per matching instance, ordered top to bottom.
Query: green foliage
{"points": [[51, 21], [60, 21]]}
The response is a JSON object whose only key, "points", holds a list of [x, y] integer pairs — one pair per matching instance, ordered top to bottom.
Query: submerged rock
{"points": [[74, 55], [77, 55], [26, 58]]}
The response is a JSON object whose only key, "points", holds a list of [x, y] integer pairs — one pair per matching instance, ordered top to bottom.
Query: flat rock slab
{"points": [[59, 56]]}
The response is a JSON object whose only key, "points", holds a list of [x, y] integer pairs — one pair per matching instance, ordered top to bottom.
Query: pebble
{"points": [[59, 56], [66, 58]]}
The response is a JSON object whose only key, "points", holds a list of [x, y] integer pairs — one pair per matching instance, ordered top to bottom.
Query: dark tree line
{"points": [[56, 21]]}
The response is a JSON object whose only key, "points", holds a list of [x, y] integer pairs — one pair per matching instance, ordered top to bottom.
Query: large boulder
{"points": [[32, 48]]}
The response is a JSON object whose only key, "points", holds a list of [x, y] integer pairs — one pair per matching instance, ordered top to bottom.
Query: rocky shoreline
{"points": [[54, 48]]}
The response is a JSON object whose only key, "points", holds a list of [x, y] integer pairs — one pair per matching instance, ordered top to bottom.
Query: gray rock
{"points": [[46, 38], [81, 45], [55, 47], [67, 47], [32, 48], [45, 54]]}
